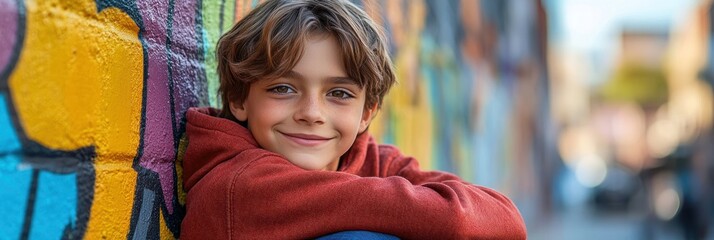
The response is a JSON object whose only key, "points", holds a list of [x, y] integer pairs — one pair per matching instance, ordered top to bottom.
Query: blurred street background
{"points": [[594, 116]]}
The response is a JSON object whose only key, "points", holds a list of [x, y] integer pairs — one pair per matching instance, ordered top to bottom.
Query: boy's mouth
{"points": [[306, 139]]}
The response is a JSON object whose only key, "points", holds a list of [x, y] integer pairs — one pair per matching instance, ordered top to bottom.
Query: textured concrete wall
{"points": [[93, 94], [91, 109]]}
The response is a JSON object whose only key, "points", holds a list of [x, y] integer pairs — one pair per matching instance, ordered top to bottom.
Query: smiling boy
{"points": [[313, 113], [289, 157]]}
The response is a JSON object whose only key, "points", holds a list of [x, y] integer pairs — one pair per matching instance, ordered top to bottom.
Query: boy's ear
{"points": [[238, 111], [367, 116]]}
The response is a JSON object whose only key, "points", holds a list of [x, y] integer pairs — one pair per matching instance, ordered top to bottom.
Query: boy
{"points": [[289, 157]]}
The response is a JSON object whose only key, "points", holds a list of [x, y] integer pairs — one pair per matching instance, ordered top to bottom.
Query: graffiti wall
{"points": [[473, 90], [93, 94], [93, 97]]}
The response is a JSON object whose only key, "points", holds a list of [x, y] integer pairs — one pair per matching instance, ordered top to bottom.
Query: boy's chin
{"points": [[311, 164]]}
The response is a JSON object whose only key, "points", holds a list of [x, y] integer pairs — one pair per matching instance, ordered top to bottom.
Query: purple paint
{"points": [[8, 31], [182, 52], [187, 72], [158, 153]]}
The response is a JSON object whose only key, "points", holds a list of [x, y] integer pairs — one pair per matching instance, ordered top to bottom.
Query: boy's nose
{"points": [[310, 111]]}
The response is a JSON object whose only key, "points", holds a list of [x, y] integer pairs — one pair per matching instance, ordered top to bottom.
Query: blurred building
{"points": [[473, 92]]}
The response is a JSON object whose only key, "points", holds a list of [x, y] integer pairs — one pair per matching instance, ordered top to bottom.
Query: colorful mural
{"points": [[93, 95], [472, 96], [93, 99]]}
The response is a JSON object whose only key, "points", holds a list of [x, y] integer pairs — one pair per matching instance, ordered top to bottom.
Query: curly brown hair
{"points": [[268, 42]]}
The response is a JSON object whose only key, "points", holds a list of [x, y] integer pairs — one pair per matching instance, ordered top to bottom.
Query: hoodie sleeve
{"points": [[271, 198], [477, 200]]}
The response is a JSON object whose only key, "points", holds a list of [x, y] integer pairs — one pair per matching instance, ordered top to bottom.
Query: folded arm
{"points": [[296, 203]]}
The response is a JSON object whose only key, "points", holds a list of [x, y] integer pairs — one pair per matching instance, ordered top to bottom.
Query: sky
{"points": [[589, 24], [591, 28]]}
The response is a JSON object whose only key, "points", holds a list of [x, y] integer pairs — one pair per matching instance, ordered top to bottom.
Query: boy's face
{"points": [[313, 114]]}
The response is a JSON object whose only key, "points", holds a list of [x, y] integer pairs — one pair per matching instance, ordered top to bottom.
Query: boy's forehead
{"points": [[336, 79]]}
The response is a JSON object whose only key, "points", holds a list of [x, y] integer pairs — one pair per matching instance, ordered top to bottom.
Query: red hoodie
{"points": [[236, 190]]}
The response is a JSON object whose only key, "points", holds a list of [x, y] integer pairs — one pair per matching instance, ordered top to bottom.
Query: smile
{"points": [[305, 139]]}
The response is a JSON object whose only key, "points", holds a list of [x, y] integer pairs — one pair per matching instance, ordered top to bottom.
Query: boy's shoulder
{"points": [[389, 151], [391, 158]]}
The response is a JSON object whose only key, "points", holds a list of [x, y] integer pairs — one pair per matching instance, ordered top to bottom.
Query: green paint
{"points": [[213, 27]]}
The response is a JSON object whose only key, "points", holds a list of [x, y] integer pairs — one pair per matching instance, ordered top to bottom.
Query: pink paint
{"points": [[8, 31], [180, 56], [189, 82], [158, 152]]}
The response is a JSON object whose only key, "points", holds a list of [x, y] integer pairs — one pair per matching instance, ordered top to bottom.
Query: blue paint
{"points": [[8, 139], [491, 139], [15, 182], [147, 204], [55, 206], [365, 235]]}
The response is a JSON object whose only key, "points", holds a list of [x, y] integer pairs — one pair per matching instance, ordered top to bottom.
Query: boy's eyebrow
{"points": [[340, 80], [343, 80]]}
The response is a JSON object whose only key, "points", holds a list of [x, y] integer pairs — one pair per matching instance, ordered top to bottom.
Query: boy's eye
{"points": [[281, 89], [340, 94]]}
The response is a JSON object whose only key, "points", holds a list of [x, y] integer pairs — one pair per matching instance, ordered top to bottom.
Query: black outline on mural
{"points": [[220, 16], [19, 41], [170, 72], [5, 76], [41, 158], [79, 162], [148, 181], [30, 207]]}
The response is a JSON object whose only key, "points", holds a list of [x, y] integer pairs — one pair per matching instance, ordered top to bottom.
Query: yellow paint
{"points": [[78, 83], [408, 103], [410, 109], [183, 143], [114, 194], [164, 232]]}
